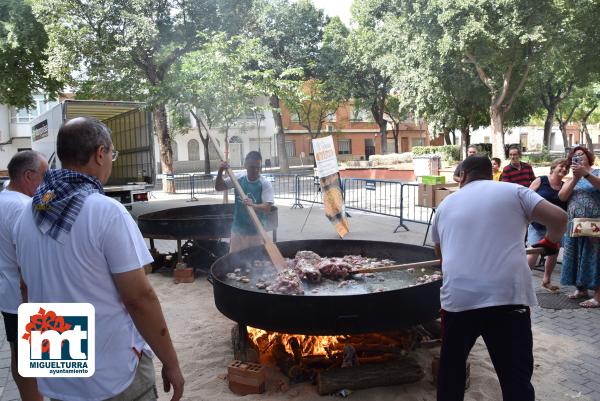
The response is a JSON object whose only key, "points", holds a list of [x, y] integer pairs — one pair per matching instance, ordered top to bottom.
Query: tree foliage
{"points": [[292, 34], [23, 44], [124, 49], [215, 85]]}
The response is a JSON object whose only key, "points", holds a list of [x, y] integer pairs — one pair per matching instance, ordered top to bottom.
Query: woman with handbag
{"points": [[548, 187], [581, 259]]}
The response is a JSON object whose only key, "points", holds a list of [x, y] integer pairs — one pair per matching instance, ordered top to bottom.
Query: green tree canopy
{"points": [[292, 33], [23, 43], [124, 49], [215, 85]]}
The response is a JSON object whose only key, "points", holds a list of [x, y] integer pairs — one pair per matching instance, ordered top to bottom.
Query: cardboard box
{"points": [[441, 193], [426, 196], [246, 378]]}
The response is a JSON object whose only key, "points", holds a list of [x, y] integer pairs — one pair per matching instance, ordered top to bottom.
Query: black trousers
{"points": [[506, 331]]}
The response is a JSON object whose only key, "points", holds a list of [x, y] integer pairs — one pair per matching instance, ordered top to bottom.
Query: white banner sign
{"points": [[325, 156]]}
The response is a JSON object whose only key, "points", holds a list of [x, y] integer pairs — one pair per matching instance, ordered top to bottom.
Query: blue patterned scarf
{"points": [[59, 199]]}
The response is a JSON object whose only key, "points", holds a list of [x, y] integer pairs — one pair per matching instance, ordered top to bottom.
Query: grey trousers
{"points": [[143, 387]]}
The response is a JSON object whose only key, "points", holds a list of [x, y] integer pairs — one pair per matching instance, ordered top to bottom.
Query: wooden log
{"points": [[252, 353], [400, 371]]}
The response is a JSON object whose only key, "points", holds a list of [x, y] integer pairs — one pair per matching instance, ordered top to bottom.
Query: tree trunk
{"points": [[551, 111], [497, 117], [563, 130], [383, 133], [465, 138], [588, 138], [447, 139], [164, 143], [396, 144], [205, 145], [284, 166]]}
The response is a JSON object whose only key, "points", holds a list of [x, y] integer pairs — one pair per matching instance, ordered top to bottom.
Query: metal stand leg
{"points": [[192, 196], [401, 225], [428, 226], [179, 251]]}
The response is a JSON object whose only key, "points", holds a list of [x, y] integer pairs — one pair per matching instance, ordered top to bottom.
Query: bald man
{"points": [[94, 253]]}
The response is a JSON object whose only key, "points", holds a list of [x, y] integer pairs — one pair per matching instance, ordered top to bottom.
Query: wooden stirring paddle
{"points": [[272, 250], [426, 263]]}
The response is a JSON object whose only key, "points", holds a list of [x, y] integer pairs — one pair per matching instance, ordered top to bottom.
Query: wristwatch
{"points": [[587, 175]]}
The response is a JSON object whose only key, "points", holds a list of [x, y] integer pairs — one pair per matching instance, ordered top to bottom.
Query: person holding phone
{"points": [[581, 259]]}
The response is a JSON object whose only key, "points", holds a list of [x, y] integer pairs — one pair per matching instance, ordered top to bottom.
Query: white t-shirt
{"points": [[12, 204], [481, 230], [104, 240]]}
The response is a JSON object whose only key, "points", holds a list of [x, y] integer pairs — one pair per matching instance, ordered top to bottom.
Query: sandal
{"points": [[550, 288], [578, 295], [590, 303]]}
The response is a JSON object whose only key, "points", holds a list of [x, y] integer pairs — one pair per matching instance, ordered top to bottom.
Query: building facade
{"points": [[15, 130], [356, 135]]}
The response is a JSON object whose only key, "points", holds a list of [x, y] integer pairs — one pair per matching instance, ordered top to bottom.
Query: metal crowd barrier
{"points": [[383, 197]]}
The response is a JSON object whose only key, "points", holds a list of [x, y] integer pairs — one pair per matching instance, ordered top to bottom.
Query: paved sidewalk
{"points": [[580, 372]]}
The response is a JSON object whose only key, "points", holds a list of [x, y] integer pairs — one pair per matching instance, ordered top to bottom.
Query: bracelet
{"points": [[587, 175]]}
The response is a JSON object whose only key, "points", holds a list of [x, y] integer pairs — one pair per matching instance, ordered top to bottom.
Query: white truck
{"points": [[133, 173]]}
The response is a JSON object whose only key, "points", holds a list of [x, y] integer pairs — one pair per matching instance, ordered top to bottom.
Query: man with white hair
{"points": [[26, 170]]}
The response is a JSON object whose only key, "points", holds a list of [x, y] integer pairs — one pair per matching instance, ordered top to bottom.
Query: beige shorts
{"points": [[237, 242], [143, 387]]}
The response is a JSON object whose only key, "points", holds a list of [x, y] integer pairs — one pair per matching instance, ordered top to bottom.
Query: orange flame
{"points": [[311, 345]]}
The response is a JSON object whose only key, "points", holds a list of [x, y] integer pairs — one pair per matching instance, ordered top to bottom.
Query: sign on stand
{"points": [[325, 156], [327, 169]]}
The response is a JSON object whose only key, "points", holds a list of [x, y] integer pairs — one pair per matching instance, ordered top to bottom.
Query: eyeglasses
{"points": [[115, 154]]}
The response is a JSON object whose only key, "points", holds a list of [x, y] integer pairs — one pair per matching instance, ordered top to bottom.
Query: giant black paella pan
{"points": [[195, 222], [334, 309]]}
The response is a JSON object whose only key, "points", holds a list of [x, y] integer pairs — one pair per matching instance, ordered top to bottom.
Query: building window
{"points": [[41, 105], [331, 116], [294, 117], [486, 139], [417, 142], [344, 146], [290, 148], [174, 150], [193, 150]]}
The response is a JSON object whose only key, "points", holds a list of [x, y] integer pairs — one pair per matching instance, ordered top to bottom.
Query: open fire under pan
{"points": [[334, 310]]}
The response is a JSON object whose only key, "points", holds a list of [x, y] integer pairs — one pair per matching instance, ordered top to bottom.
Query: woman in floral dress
{"points": [[581, 259]]}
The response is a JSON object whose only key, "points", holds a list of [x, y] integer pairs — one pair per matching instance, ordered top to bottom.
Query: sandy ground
{"points": [[201, 336]]}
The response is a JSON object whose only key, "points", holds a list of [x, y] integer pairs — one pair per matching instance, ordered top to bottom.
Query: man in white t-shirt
{"points": [[26, 170], [75, 245], [487, 287]]}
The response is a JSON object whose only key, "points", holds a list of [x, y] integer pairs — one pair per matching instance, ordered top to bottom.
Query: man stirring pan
{"points": [[259, 195], [487, 286]]}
